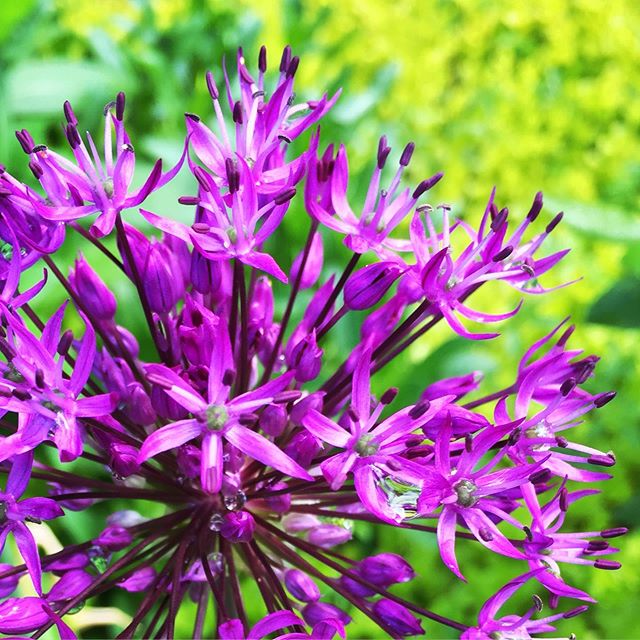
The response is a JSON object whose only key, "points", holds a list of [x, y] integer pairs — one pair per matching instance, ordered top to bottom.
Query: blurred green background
{"points": [[521, 95]]}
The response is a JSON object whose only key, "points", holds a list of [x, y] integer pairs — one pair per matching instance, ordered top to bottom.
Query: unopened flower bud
{"points": [[367, 286], [93, 292], [238, 526], [301, 586], [398, 618]]}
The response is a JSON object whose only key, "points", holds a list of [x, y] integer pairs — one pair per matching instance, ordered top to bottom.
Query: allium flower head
{"points": [[245, 457]]}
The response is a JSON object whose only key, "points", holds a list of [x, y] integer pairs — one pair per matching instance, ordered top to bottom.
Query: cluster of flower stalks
{"points": [[245, 461]]}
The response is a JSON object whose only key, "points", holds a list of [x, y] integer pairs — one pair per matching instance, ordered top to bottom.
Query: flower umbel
{"points": [[262, 455]]}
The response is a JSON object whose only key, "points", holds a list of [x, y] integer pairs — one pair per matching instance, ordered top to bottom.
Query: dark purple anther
{"points": [[262, 59], [285, 59], [293, 67], [245, 76], [211, 86], [120, 106], [69, 115], [192, 116], [73, 137], [25, 140], [39, 148], [383, 153], [405, 158], [36, 169], [200, 175], [233, 175], [425, 185], [285, 196], [189, 200], [536, 207], [499, 220], [554, 223], [201, 227], [503, 253], [566, 335], [65, 342], [228, 377], [39, 378], [567, 386], [20, 394], [389, 396], [603, 399], [419, 409], [514, 436], [562, 442], [468, 443], [602, 461], [540, 476], [563, 500], [527, 532], [615, 532], [597, 545], [607, 565], [537, 602], [572, 613]]}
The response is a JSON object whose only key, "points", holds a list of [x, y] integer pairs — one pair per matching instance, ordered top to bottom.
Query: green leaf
{"points": [[597, 220], [620, 306]]}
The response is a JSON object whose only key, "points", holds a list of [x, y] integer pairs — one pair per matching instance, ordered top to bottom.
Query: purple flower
{"points": [[102, 182], [231, 452], [15, 512]]}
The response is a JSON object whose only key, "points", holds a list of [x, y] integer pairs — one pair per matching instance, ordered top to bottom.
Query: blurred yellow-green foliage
{"points": [[522, 95]]}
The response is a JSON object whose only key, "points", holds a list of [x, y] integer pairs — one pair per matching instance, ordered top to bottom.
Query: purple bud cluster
{"points": [[265, 456]]}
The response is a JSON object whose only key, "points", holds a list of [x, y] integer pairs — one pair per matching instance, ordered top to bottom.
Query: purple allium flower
{"points": [[265, 458]]}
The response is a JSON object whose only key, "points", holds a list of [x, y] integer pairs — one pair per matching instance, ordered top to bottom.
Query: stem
{"points": [[96, 243], [351, 265], [137, 281], [244, 365], [268, 369], [314, 552]]}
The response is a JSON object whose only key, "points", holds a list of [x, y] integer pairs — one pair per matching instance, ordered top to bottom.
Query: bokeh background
{"points": [[521, 95]]}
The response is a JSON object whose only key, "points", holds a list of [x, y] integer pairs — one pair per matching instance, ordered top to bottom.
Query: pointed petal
{"points": [[325, 429], [169, 437], [211, 463], [446, 535]]}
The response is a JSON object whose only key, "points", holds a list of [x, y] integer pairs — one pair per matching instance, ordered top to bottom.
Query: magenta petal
{"points": [[264, 262], [84, 360], [327, 430], [169, 437], [259, 448], [211, 463], [19, 475], [372, 497], [40, 508], [446, 535], [29, 552], [139, 580], [21, 615], [273, 622], [232, 630]]}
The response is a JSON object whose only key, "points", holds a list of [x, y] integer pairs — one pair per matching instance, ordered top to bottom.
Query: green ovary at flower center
{"points": [[216, 417], [365, 447], [465, 489]]}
